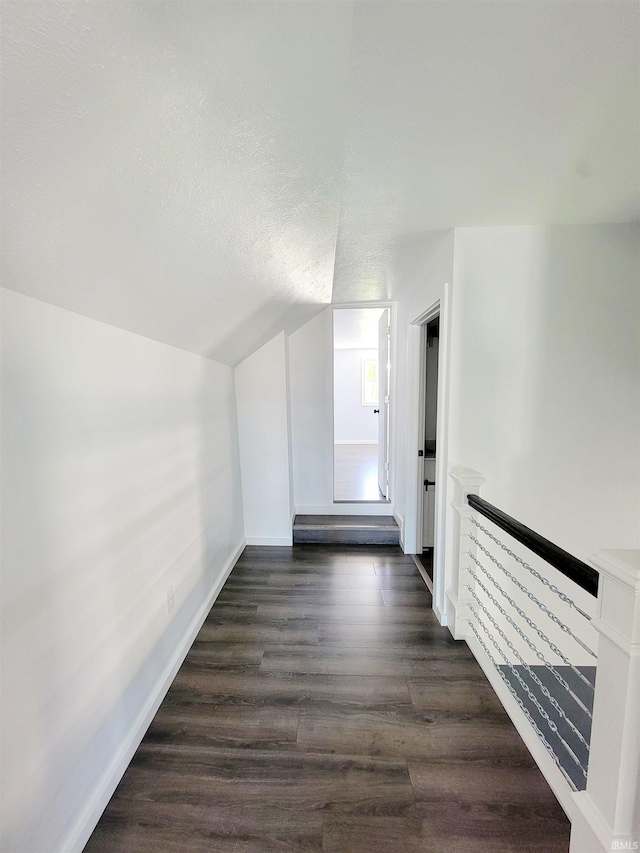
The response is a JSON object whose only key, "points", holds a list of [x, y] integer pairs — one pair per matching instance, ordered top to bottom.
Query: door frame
{"points": [[422, 379], [384, 403], [415, 464], [370, 507]]}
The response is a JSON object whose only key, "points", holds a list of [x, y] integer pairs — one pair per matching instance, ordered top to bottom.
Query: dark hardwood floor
{"points": [[322, 708]]}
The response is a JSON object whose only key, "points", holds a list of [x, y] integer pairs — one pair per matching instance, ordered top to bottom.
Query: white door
{"points": [[384, 370]]}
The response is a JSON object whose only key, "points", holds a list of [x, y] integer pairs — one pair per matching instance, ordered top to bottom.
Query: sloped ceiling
{"points": [[173, 168], [208, 173]]}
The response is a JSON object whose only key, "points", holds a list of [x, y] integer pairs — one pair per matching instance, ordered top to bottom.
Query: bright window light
{"points": [[369, 381]]}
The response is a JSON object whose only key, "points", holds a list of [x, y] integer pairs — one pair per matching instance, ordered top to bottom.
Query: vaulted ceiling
{"points": [[208, 173]]}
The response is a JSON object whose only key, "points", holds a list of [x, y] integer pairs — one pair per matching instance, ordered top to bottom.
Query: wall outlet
{"points": [[170, 599]]}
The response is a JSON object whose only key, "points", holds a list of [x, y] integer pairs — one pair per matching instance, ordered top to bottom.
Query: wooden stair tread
{"points": [[354, 529]]}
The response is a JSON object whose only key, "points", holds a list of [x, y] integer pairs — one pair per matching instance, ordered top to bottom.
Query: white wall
{"points": [[421, 266], [544, 374], [545, 378], [311, 412], [352, 421], [263, 431], [120, 477]]}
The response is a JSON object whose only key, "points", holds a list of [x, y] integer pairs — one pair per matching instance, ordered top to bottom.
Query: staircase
{"points": [[345, 530]]}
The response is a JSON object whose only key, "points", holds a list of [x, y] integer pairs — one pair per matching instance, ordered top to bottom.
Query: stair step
{"points": [[346, 530]]}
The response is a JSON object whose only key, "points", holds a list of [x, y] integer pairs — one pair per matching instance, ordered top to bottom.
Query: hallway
{"points": [[322, 708]]}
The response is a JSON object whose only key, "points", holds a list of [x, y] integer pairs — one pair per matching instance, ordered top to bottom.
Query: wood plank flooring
{"points": [[355, 472], [323, 709]]}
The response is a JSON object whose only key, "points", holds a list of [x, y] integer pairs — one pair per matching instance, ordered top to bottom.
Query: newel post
{"points": [[467, 482], [608, 812]]}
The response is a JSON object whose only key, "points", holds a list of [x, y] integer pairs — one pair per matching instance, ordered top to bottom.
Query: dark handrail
{"points": [[568, 565]]}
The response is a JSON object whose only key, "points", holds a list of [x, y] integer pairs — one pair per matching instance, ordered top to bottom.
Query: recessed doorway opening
{"points": [[361, 395], [429, 397]]}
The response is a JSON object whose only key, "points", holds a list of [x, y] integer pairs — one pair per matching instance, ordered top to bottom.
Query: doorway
{"points": [[430, 355], [361, 403], [430, 458]]}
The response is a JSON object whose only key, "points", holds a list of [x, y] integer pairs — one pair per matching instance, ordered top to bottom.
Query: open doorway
{"points": [[428, 347], [361, 395], [429, 396]]}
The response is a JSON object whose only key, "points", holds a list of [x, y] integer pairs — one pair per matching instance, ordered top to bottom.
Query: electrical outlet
{"points": [[170, 599]]}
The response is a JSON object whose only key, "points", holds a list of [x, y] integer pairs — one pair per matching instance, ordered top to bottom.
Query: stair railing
{"points": [[541, 626]]}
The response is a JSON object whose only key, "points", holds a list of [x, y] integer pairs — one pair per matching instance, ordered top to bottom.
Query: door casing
{"points": [[415, 464], [374, 507]]}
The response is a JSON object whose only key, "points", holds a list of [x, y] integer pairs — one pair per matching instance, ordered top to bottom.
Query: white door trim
{"points": [[337, 306], [384, 386], [415, 484]]}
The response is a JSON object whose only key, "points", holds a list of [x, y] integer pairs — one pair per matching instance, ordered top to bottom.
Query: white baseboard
{"points": [[358, 441], [377, 508], [400, 522], [269, 540], [425, 577], [452, 600], [441, 616], [90, 815], [591, 833]]}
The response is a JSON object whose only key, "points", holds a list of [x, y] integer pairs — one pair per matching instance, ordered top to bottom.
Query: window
{"points": [[369, 381]]}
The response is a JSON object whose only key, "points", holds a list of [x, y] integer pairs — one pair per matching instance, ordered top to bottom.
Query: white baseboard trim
{"points": [[358, 441], [377, 508], [400, 522], [269, 540], [425, 577], [441, 616], [457, 628], [546, 764], [90, 815], [590, 832]]}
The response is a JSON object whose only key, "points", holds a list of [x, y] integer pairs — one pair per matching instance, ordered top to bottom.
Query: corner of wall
{"points": [[287, 381], [264, 434]]}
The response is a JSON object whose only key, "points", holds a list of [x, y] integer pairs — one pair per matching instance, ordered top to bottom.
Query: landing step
{"points": [[346, 530]]}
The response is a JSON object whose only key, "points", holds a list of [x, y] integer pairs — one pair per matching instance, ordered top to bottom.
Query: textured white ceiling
{"points": [[485, 113], [173, 168], [184, 170]]}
